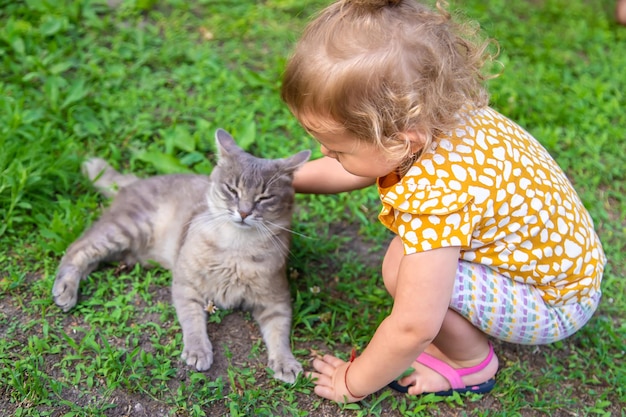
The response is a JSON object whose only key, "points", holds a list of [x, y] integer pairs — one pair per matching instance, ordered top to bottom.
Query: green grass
{"points": [[145, 84]]}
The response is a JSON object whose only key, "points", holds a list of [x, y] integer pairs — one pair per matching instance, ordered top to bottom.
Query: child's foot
{"points": [[620, 12], [435, 373]]}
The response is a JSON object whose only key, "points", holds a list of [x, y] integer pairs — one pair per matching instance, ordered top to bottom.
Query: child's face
{"points": [[356, 156]]}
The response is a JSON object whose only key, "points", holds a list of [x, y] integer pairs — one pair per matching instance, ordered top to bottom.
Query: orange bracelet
{"points": [[345, 376]]}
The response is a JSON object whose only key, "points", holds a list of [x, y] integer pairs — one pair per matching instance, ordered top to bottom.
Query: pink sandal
{"points": [[453, 375]]}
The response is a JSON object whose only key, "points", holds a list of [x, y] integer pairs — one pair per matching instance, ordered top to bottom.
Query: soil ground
{"points": [[233, 340]]}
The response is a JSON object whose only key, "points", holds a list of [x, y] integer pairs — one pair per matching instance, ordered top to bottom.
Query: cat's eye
{"points": [[231, 190], [264, 198]]}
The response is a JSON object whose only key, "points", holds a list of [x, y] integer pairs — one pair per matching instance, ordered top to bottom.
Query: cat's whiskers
{"points": [[202, 219], [208, 219], [293, 232], [278, 244]]}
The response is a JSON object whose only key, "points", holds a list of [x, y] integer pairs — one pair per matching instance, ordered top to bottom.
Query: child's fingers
{"points": [[333, 361], [323, 367], [319, 379], [324, 386], [325, 392]]}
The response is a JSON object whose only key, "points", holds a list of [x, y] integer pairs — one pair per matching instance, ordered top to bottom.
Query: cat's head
{"points": [[253, 191]]}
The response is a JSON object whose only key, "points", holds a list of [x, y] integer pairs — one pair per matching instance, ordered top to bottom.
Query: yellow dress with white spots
{"points": [[490, 188]]}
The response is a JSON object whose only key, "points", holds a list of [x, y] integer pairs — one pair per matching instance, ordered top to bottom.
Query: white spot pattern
{"points": [[493, 190]]}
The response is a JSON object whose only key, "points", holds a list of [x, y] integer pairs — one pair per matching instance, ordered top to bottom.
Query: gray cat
{"points": [[224, 237]]}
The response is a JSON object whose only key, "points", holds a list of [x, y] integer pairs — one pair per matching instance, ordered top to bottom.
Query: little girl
{"points": [[492, 239]]}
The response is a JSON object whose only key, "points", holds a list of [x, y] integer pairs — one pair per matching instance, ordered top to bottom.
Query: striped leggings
{"points": [[512, 311]]}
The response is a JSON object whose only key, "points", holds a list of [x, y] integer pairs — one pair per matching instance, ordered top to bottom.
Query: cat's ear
{"points": [[225, 142], [296, 161]]}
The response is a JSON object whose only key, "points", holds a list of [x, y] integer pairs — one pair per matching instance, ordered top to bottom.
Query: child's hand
{"points": [[330, 380]]}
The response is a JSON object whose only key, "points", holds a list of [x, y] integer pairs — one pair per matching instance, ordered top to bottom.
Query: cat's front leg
{"points": [[275, 323], [197, 348]]}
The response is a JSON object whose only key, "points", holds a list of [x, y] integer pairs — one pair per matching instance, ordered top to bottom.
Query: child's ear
{"points": [[417, 139]]}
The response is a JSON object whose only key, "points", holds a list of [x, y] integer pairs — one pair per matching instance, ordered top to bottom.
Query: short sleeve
{"points": [[429, 217]]}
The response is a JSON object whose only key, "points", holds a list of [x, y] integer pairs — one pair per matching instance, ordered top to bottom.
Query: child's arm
{"points": [[327, 176], [423, 290]]}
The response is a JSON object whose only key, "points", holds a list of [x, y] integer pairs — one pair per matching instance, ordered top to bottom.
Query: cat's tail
{"points": [[106, 180]]}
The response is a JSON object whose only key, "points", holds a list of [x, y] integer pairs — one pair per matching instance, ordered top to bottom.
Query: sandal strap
{"points": [[480, 366], [451, 374]]}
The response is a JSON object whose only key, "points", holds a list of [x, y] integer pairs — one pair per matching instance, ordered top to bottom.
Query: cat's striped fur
{"points": [[224, 237]]}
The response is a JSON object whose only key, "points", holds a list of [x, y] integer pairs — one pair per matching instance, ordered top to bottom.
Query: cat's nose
{"points": [[243, 214]]}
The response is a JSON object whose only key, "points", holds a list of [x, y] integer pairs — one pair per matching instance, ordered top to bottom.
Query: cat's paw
{"points": [[65, 289], [198, 356], [286, 368]]}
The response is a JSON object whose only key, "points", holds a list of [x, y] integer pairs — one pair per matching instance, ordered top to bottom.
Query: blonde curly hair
{"points": [[378, 69]]}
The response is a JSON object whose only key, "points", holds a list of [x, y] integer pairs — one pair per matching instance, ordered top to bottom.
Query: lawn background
{"points": [[144, 84]]}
